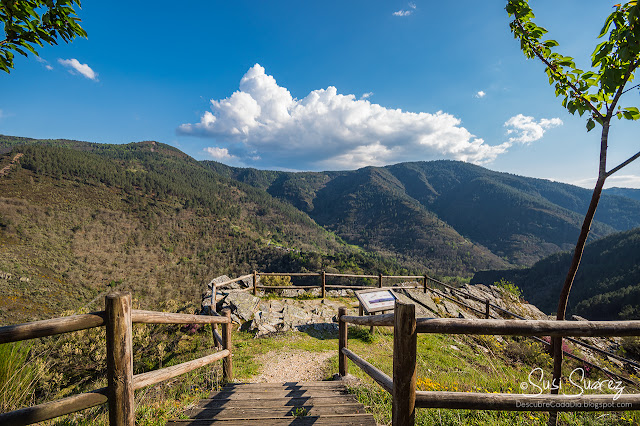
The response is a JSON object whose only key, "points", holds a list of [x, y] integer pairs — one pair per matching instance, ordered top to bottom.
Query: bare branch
{"points": [[631, 88], [615, 169]]}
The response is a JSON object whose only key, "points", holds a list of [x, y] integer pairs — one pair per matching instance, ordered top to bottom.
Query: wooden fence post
{"points": [[380, 280], [425, 282], [255, 283], [324, 284], [213, 310], [487, 313], [556, 346], [119, 359], [227, 365], [404, 365], [343, 367]]}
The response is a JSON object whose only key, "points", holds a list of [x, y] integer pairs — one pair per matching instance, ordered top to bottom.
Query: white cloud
{"points": [[403, 12], [44, 62], [77, 67], [480, 94], [366, 95], [328, 130], [526, 130], [220, 154], [615, 180]]}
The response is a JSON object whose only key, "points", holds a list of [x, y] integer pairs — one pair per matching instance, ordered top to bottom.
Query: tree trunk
{"points": [[556, 342]]}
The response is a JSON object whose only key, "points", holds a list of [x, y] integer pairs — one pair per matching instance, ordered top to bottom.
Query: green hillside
{"points": [[465, 215], [79, 219], [607, 285]]}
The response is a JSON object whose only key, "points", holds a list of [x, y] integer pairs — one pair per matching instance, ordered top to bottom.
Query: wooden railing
{"points": [[322, 284], [117, 318], [402, 387]]}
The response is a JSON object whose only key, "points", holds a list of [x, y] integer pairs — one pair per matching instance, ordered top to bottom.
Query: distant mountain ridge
{"points": [[632, 193], [422, 208], [442, 217], [606, 287]]}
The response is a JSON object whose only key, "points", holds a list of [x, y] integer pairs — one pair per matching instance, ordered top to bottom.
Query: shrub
{"points": [[276, 281]]}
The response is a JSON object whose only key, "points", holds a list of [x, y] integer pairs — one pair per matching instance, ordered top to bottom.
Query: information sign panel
{"points": [[376, 300]]}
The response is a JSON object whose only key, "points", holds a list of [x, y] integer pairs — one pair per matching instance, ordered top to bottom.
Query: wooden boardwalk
{"points": [[290, 403]]}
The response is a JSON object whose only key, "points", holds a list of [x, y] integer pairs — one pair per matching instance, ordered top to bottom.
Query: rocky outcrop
{"points": [[303, 310]]}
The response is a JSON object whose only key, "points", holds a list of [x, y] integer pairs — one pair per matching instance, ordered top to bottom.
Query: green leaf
{"points": [[631, 113], [590, 124]]}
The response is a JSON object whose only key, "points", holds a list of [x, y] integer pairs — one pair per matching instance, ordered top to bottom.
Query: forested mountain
{"points": [[624, 192], [448, 209], [78, 219], [607, 285]]}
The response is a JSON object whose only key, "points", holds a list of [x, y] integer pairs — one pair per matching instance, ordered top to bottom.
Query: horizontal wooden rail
{"points": [[289, 274], [351, 275], [405, 277], [235, 280], [288, 287], [351, 287], [240, 290], [152, 317], [370, 320], [51, 327], [508, 327], [527, 327], [378, 376], [152, 377], [523, 402], [53, 409]]}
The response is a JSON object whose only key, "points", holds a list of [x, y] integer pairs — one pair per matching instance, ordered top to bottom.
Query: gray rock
{"points": [[291, 292], [242, 305]]}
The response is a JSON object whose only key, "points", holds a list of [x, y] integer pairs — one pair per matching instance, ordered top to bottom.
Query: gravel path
{"points": [[294, 366]]}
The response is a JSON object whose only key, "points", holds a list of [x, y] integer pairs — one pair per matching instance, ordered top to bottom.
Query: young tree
{"points": [[31, 23], [596, 93]]}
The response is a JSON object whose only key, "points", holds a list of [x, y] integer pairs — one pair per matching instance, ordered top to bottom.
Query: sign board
{"points": [[376, 300]]}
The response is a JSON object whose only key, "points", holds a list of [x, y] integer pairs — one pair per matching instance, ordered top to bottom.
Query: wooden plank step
{"points": [[325, 384], [278, 386], [277, 393], [283, 402], [290, 403], [240, 413], [347, 420]]}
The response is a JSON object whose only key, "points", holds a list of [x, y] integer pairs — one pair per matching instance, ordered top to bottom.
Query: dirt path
{"points": [[6, 169], [293, 366]]}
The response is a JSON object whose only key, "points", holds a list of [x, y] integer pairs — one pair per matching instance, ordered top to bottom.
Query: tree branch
{"points": [[553, 67], [630, 88], [621, 165]]}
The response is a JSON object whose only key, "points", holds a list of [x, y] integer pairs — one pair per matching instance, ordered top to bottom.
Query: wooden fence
{"points": [[322, 281], [117, 318], [402, 387]]}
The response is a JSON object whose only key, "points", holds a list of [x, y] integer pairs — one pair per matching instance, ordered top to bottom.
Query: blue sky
{"points": [[320, 85]]}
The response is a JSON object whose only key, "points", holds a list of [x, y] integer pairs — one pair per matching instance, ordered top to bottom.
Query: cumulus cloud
{"points": [[76, 67], [480, 94], [366, 95], [264, 125], [525, 129], [219, 154]]}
